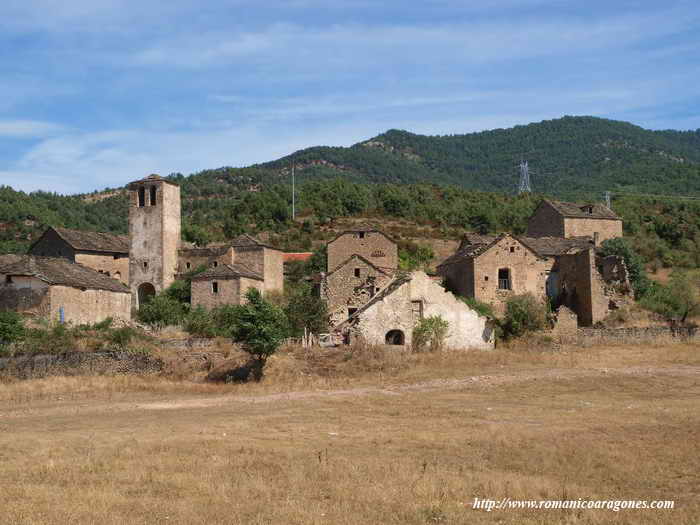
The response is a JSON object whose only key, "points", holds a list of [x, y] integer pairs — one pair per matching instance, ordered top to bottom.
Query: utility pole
{"points": [[524, 185], [293, 197], [607, 200]]}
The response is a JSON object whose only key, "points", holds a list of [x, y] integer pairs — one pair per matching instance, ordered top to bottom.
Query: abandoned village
{"points": [[84, 277]]}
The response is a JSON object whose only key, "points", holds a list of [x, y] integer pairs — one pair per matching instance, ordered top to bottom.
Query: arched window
{"points": [[504, 279], [145, 291], [395, 337]]}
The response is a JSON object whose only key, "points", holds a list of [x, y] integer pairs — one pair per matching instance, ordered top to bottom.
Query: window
{"points": [[153, 195], [142, 197], [361, 235], [512, 249], [115, 256], [214, 264], [145, 265], [188, 265], [357, 272], [486, 277], [8, 279], [504, 279], [215, 287], [417, 310], [351, 311]]}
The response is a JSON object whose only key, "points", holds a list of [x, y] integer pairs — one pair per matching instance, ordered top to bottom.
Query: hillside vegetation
{"points": [[449, 184]]}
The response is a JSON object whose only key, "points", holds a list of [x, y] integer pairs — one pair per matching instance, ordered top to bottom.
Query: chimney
{"points": [[596, 239]]}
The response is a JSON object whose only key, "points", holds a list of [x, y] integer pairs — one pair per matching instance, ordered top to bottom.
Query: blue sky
{"points": [[95, 93]]}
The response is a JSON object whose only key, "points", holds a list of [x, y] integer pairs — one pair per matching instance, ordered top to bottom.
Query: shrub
{"points": [[413, 256], [633, 261], [676, 301], [483, 309], [161, 311], [305, 311], [524, 313], [200, 322], [105, 324], [260, 326], [11, 328], [430, 332], [121, 337], [54, 339]]}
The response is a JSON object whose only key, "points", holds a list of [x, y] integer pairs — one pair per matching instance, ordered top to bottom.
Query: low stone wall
{"points": [[652, 334], [78, 363]]}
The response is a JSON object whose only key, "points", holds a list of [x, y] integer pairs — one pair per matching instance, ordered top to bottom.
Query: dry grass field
{"points": [[371, 438]]}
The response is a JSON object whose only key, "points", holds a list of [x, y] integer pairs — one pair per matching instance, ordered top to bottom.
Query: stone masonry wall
{"points": [[545, 222], [605, 228], [373, 246], [106, 263], [273, 270], [528, 273], [459, 276], [230, 291], [28, 297], [88, 306]]}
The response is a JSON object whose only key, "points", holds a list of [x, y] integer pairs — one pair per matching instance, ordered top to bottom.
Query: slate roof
{"points": [[152, 178], [570, 209], [94, 241], [248, 241], [552, 246], [206, 251], [60, 271], [228, 271]]}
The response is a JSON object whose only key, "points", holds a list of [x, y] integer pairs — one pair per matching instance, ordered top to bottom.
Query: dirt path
{"points": [[477, 382]]}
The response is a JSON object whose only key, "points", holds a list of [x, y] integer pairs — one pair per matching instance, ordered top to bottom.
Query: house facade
{"points": [[567, 219], [367, 241], [225, 284]]}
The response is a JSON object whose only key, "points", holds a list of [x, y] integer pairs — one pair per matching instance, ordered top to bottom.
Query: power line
{"points": [[524, 185]]}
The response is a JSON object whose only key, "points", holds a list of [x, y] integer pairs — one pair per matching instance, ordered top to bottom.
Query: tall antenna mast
{"points": [[524, 185], [293, 198]]}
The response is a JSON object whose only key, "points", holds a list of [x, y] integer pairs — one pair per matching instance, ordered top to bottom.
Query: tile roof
{"points": [[570, 209], [94, 241], [296, 256], [60, 271], [228, 271]]}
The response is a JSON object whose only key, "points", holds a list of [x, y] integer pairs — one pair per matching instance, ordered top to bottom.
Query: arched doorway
{"points": [[145, 291], [395, 337]]}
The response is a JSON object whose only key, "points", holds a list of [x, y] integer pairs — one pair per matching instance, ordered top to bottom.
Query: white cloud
{"points": [[28, 128]]}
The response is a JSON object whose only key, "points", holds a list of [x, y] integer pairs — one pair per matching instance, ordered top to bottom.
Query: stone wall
{"points": [[545, 222], [605, 228], [372, 245], [192, 258], [114, 265], [273, 270], [528, 273], [459, 276], [342, 289], [230, 291], [30, 297], [88, 306], [587, 336]]}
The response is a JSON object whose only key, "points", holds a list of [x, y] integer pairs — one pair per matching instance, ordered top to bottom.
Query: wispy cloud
{"points": [[28, 128]]}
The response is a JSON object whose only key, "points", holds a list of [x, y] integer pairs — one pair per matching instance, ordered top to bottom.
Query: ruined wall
{"points": [[545, 222], [606, 228], [154, 232], [373, 246], [190, 259], [115, 266], [528, 273], [459, 276], [581, 287], [342, 289], [230, 291], [25, 295], [88, 306], [396, 312]]}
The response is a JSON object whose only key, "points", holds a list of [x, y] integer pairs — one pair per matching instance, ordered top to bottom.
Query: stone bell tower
{"points": [[154, 236]]}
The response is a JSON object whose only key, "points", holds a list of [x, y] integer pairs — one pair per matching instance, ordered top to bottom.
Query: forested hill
{"points": [[570, 157]]}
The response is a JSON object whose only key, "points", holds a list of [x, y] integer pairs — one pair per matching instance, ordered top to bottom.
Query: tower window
{"points": [[153, 196], [142, 197], [145, 265], [357, 272], [504, 279], [215, 287]]}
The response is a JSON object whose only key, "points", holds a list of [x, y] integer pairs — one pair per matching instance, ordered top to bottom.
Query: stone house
{"points": [[567, 219], [372, 244], [105, 252], [224, 284], [350, 285], [58, 289], [390, 316]]}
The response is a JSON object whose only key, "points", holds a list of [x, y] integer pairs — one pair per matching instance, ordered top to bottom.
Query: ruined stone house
{"points": [[567, 219], [104, 252], [560, 270], [225, 284], [350, 285], [56, 288], [390, 316]]}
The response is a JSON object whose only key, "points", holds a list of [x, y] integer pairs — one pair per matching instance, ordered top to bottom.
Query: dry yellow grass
{"points": [[377, 438]]}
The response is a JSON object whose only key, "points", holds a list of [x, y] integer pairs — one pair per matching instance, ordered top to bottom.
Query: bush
{"points": [[633, 261], [676, 301], [483, 309], [161, 311], [305, 311], [524, 313], [200, 322], [260, 326], [11, 328], [430, 332], [121, 337], [54, 339]]}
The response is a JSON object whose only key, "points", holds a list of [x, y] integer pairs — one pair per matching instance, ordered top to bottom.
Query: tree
{"points": [[196, 235], [676, 301], [161, 311], [305, 311], [524, 313], [11, 327], [261, 327], [431, 332]]}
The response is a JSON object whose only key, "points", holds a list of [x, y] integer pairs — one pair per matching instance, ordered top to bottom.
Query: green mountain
{"points": [[450, 183]]}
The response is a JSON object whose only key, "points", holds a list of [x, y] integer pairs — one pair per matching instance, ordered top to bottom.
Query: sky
{"points": [[96, 93]]}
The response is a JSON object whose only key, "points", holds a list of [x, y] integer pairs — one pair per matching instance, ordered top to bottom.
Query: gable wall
{"points": [[545, 222], [606, 228], [50, 244], [375, 247]]}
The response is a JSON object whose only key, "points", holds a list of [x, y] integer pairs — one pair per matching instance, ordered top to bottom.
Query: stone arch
{"points": [[145, 292], [395, 337]]}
